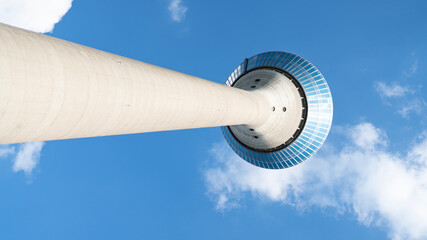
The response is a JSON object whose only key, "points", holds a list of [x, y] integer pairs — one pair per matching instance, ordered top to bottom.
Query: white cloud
{"points": [[177, 10], [35, 15], [394, 90], [366, 136], [6, 150], [418, 153], [28, 157], [362, 177]]}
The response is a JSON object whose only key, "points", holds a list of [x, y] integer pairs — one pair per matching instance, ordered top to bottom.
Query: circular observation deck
{"points": [[301, 110]]}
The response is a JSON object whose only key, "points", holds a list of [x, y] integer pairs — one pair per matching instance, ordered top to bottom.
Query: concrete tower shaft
{"points": [[53, 89], [275, 110]]}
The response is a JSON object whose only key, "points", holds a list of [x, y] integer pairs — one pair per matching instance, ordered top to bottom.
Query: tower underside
{"points": [[307, 99], [288, 109]]}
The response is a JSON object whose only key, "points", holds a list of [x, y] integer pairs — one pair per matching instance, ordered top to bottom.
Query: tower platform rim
{"points": [[319, 114]]}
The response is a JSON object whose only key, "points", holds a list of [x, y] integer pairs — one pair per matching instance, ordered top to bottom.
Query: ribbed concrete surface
{"points": [[53, 89]]}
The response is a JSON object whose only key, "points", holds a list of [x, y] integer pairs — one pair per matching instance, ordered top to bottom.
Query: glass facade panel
{"points": [[319, 116]]}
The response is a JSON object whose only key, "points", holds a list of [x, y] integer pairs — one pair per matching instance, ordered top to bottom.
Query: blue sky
{"points": [[367, 182]]}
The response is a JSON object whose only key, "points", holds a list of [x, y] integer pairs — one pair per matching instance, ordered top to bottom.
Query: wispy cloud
{"points": [[177, 10], [35, 15], [412, 67], [393, 90], [402, 98], [406, 99], [417, 106], [6, 150], [28, 157], [362, 177]]}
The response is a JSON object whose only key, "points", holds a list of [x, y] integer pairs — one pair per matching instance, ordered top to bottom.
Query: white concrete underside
{"points": [[53, 89], [281, 125]]}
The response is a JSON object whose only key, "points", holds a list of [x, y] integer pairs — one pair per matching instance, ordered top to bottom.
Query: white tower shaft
{"points": [[53, 89]]}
